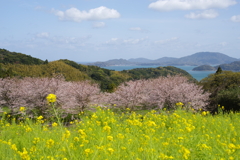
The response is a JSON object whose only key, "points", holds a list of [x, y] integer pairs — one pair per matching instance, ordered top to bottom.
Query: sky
{"points": [[100, 30]]}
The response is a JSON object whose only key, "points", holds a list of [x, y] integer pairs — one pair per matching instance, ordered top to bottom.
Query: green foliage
{"points": [[17, 58], [48, 70], [5, 72], [107, 79], [222, 86], [230, 99]]}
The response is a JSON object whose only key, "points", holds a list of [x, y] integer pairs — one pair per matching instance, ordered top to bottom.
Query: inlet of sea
{"points": [[198, 75]]}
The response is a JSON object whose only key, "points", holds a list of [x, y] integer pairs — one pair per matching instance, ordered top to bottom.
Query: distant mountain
{"points": [[205, 58], [197, 59], [140, 60], [165, 60], [113, 62], [234, 66]]}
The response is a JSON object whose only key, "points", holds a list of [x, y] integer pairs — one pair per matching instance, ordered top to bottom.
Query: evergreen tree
{"points": [[219, 70]]}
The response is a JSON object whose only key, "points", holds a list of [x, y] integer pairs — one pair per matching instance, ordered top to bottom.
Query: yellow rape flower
{"points": [[51, 98], [179, 104], [22, 109], [204, 113], [94, 116], [40, 117], [54, 124], [107, 128], [120, 136], [110, 138], [76, 139], [36, 140], [50, 143], [231, 146], [14, 147], [110, 150], [88, 151], [186, 152], [24, 154]]}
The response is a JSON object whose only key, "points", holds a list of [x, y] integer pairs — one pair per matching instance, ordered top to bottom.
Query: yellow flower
{"points": [[51, 98], [179, 104], [22, 109], [204, 113], [94, 116], [40, 117], [54, 124], [107, 128], [67, 134], [110, 138], [180, 138], [76, 139], [36, 140], [50, 143], [231, 146], [14, 147], [110, 150], [88, 151], [186, 152], [24, 154]]}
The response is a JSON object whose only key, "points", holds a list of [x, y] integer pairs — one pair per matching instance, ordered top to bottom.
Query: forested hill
{"points": [[17, 58], [20, 65], [234, 66]]}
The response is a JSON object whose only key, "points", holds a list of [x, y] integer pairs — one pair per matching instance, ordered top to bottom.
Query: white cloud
{"points": [[169, 5], [73, 14], [207, 14], [235, 18], [99, 25], [136, 29], [43, 35], [166, 40], [112, 41], [117, 41], [133, 41]]}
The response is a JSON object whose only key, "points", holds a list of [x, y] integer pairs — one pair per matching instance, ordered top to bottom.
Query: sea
{"points": [[198, 75]]}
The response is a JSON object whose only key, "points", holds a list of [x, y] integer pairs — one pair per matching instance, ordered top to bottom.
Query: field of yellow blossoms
{"points": [[106, 135]]}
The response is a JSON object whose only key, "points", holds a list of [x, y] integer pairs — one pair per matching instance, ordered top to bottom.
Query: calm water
{"points": [[198, 75]]}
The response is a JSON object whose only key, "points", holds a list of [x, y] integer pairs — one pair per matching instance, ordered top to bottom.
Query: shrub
{"points": [[230, 99]]}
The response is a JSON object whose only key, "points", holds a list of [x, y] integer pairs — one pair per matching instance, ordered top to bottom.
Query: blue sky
{"points": [[99, 30]]}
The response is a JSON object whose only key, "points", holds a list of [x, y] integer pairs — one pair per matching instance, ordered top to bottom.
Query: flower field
{"points": [[104, 134]]}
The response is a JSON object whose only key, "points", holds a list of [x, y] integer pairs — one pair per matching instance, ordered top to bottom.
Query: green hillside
{"points": [[17, 58]]}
